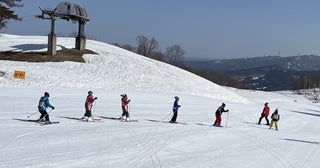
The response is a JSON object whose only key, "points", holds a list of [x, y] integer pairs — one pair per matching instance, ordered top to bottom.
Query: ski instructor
{"points": [[44, 103]]}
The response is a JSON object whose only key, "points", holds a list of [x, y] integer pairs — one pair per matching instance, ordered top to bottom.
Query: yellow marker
{"points": [[19, 74]]}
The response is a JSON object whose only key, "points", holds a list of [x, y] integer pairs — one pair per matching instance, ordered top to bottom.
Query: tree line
{"points": [[149, 47], [307, 85]]}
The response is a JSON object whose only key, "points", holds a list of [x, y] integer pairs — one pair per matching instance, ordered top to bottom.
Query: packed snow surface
{"points": [[151, 86]]}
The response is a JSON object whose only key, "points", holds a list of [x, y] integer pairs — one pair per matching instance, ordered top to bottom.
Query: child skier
{"points": [[44, 103], [88, 106], [125, 107], [175, 108], [219, 112], [265, 114], [275, 117]]}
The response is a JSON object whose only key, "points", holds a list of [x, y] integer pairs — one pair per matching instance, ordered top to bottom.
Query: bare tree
{"points": [[7, 14], [147, 47], [175, 54], [158, 55], [315, 94]]}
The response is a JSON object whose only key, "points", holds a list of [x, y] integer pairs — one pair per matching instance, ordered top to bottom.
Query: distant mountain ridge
{"points": [[296, 63], [263, 73]]}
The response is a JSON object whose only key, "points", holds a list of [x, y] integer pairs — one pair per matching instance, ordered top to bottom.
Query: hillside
{"points": [[110, 68]]}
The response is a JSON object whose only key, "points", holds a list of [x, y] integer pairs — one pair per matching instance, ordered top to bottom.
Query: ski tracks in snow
{"points": [[21, 136], [12, 142], [148, 145], [269, 149], [312, 159]]}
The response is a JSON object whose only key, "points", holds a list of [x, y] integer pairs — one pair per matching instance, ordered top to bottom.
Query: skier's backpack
{"points": [[275, 117]]}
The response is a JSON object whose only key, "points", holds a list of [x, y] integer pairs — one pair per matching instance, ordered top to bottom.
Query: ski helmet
{"points": [[90, 92], [46, 94], [123, 95], [176, 97], [223, 104]]}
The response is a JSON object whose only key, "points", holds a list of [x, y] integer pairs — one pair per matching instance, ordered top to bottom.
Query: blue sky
{"points": [[204, 28]]}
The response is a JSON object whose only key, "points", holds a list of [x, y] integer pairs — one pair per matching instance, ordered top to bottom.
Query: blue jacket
{"points": [[44, 103], [175, 106]]}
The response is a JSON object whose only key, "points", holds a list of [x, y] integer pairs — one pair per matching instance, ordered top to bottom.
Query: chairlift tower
{"points": [[67, 11]]}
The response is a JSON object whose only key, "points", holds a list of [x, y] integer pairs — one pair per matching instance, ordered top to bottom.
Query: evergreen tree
{"points": [[6, 13]]}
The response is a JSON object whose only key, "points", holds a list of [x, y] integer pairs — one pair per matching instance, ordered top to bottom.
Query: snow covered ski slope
{"points": [[151, 86]]}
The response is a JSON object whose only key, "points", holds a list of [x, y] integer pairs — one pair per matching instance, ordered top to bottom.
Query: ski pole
{"points": [[92, 110], [32, 114], [167, 116], [227, 119]]}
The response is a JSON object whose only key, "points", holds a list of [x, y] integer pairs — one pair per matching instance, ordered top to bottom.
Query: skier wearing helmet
{"points": [[44, 103], [88, 106], [125, 107], [175, 108], [219, 112]]}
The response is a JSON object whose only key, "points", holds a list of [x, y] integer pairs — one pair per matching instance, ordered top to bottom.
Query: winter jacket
{"points": [[89, 102], [44, 103], [124, 104], [175, 106], [220, 110], [265, 111], [275, 117]]}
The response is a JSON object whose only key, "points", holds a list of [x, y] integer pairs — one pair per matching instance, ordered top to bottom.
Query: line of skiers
{"points": [[44, 103]]}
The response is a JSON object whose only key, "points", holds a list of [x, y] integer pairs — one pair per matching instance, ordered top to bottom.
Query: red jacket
{"points": [[89, 102], [124, 104], [265, 111]]}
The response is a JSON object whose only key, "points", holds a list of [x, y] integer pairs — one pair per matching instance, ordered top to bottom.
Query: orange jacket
{"points": [[265, 111]]}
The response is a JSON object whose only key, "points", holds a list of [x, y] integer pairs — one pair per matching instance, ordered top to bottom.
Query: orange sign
{"points": [[19, 74]]}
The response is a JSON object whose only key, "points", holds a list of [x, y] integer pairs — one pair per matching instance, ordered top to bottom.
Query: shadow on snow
{"points": [[306, 113], [303, 141]]}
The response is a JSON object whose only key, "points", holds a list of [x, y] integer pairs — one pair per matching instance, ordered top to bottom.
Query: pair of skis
{"points": [[119, 119], [38, 121], [162, 121], [48, 123]]}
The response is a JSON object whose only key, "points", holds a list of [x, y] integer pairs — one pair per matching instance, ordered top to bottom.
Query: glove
{"points": [[95, 98], [52, 108]]}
